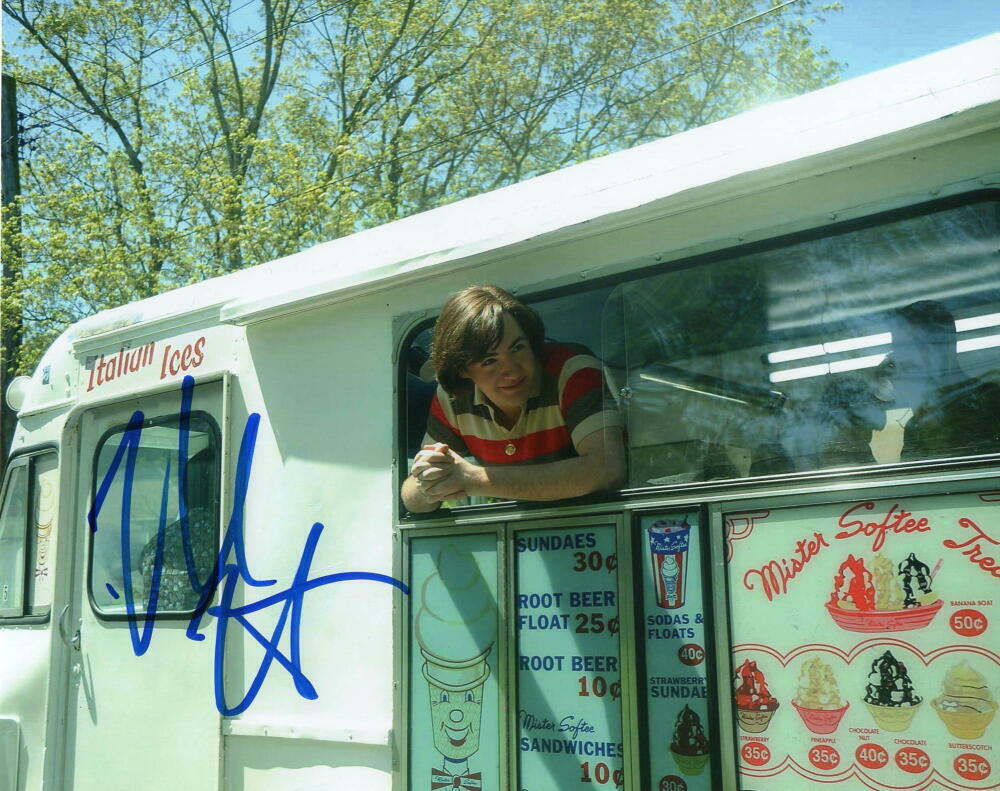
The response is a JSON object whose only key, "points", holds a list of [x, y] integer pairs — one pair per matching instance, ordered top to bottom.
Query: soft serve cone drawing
{"points": [[455, 627]]}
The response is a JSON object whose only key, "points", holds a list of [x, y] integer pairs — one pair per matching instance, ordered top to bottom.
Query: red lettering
{"points": [[199, 355], [186, 358], [174, 362], [163, 365], [100, 371], [90, 385], [894, 521], [973, 550], [775, 575]]}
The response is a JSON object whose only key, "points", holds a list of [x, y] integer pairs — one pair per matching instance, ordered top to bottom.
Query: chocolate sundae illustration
{"points": [[914, 573], [884, 598], [455, 627], [889, 694], [818, 699], [755, 706], [967, 706], [689, 745]]}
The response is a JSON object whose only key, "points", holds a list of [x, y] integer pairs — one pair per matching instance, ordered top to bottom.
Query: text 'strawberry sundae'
{"points": [[883, 599], [889, 695], [818, 699], [755, 706], [690, 745]]}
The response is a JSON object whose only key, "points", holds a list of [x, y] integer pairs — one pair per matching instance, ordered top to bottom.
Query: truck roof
{"points": [[914, 104]]}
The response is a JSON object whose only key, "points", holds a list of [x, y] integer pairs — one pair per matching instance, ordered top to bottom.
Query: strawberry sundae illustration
{"points": [[881, 600], [889, 694], [818, 699], [755, 706], [967, 706], [690, 745]]}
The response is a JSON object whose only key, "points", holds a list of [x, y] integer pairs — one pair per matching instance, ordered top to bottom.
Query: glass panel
{"points": [[868, 346], [45, 472], [155, 505], [13, 529], [862, 643], [569, 678], [455, 713], [679, 740]]}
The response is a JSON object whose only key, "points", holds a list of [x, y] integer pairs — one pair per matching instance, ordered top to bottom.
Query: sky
{"points": [[874, 34]]}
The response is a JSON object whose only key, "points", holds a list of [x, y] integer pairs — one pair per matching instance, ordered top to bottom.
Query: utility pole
{"points": [[11, 325]]}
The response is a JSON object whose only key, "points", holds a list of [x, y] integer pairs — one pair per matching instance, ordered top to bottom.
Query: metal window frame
{"points": [[160, 420], [29, 616]]}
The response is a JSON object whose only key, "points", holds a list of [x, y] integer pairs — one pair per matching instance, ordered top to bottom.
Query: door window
{"points": [[27, 520], [154, 541]]}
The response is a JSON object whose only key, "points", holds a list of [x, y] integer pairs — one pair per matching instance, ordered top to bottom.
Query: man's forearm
{"points": [[555, 480]]}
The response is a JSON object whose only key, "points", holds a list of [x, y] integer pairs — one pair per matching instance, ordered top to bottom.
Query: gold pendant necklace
{"points": [[511, 449]]}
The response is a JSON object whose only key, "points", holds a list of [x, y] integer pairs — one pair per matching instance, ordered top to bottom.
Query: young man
{"points": [[533, 415]]}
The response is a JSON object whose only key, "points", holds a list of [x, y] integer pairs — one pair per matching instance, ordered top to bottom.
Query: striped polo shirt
{"points": [[572, 402]]}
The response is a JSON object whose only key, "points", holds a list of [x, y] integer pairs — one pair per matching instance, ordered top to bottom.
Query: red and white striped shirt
{"points": [[572, 402]]}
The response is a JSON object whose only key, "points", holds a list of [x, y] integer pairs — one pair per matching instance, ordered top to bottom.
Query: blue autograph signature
{"points": [[231, 567]]}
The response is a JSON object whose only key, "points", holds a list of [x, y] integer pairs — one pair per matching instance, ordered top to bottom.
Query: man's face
{"points": [[507, 375], [455, 720]]}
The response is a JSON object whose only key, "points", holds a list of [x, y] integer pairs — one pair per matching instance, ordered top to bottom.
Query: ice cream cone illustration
{"points": [[455, 627], [889, 694], [818, 700], [755, 706], [967, 706], [689, 745]]}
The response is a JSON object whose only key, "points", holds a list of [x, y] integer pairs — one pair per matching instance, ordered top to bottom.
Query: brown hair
{"points": [[470, 324]]}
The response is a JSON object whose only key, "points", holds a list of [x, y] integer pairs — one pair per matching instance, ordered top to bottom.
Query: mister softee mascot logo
{"points": [[455, 628]]}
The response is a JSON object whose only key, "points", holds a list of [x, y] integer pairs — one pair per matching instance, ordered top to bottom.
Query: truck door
{"points": [[27, 539], [141, 708]]}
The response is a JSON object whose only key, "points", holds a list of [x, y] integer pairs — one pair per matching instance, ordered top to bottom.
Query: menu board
{"points": [[673, 631], [865, 643], [568, 675], [454, 711]]}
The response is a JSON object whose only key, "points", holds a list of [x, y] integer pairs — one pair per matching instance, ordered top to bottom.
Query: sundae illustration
{"points": [[914, 573], [888, 595], [882, 598], [455, 627], [889, 695], [818, 699], [967, 705], [755, 706], [689, 746]]}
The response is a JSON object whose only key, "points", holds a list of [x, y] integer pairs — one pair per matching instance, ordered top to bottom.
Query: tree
{"points": [[182, 140]]}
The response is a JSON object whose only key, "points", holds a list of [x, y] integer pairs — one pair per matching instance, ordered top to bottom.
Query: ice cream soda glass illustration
{"points": [[668, 551], [884, 598], [455, 628], [889, 694], [818, 700], [755, 706], [967, 706], [689, 745]]}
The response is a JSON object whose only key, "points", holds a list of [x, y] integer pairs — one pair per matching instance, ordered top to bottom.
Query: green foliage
{"points": [[177, 141]]}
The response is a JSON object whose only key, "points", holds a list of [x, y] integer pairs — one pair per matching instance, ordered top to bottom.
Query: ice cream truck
{"points": [[208, 580]]}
